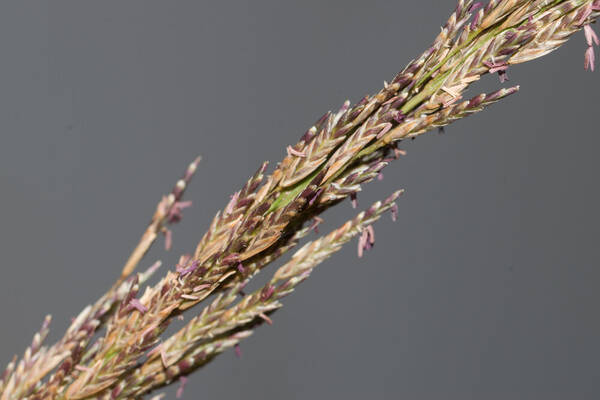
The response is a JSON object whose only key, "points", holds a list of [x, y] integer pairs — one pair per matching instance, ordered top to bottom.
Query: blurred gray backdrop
{"points": [[486, 287]]}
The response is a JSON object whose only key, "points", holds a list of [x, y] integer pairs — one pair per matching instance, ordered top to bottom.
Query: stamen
{"points": [[590, 36], [590, 59], [353, 200], [394, 211], [371, 234], [168, 238], [135, 303], [182, 382]]}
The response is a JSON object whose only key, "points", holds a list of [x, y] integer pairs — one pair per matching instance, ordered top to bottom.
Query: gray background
{"points": [[486, 288]]}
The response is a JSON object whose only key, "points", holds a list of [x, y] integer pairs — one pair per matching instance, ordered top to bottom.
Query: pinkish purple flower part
{"points": [[135, 303]]}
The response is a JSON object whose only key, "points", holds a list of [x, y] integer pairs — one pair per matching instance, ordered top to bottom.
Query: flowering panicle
{"points": [[168, 211], [272, 213], [220, 319], [20, 378]]}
